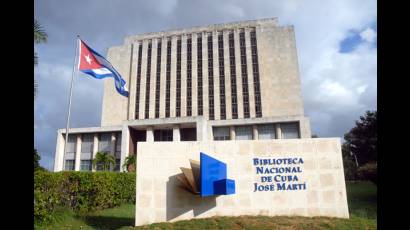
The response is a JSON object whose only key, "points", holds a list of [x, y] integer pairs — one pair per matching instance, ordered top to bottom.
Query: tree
{"points": [[40, 36], [362, 139], [103, 159], [37, 161], [129, 163], [349, 164]]}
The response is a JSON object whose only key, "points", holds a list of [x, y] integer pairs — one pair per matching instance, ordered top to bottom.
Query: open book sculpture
{"points": [[207, 177]]}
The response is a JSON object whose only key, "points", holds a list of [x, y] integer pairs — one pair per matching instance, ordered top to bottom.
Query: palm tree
{"points": [[40, 36], [105, 159], [129, 163]]}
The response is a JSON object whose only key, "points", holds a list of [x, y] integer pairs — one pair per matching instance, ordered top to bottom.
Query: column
{"points": [[194, 72], [163, 78], [143, 79], [153, 79], [132, 84], [205, 85], [278, 131], [232, 132], [255, 132], [150, 134], [176, 135], [125, 138], [95, 149], [112, 151], [78, 153], [59, 155]]}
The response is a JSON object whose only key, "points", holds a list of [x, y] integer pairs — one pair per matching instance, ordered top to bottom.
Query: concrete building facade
{"points": [[235, 81]]}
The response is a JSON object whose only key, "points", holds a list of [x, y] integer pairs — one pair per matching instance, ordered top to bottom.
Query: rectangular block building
{"points": [[234, 81]]}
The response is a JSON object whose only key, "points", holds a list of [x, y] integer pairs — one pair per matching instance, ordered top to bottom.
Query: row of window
{"points": [[199, 75], [244, 75], [221, 77], [189, 78], [211, 79], [158, 81], [168, 81], [256, 82], [211, 94], [178, 95], [289, 130], [87, 145], [86, 165]]}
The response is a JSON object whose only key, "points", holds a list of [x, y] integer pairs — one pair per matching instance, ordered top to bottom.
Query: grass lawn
{"points": [[362, 199]]}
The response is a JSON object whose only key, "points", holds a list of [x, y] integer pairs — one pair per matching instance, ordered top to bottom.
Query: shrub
{"points": [[368, 172], [80, 191]]}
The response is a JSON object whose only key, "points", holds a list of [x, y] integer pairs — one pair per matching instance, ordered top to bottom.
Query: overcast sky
{"points": [[336, 45]]}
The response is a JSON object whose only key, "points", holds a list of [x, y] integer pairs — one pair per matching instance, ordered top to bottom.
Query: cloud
{"points": [[368, 35], [337, 87]]}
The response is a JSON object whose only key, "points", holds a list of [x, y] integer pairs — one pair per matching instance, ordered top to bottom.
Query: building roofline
{"points": [[195, 29]]}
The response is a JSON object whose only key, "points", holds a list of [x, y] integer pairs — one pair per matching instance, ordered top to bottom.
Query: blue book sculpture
{"points": [[207, 177], [213, 177]]}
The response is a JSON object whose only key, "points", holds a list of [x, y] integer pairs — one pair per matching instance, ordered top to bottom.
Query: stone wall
{"points": [[160, 197]]}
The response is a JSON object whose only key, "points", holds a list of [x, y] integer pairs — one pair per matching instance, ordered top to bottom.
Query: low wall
{"points": [[301, 177]]}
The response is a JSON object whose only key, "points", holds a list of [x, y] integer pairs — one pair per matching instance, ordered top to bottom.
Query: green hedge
{"points": [[80, 191]]}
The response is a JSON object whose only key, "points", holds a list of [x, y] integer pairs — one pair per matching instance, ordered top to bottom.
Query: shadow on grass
{"points": [[108, 222]]}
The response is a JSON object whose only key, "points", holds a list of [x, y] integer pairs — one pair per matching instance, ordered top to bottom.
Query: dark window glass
{"points": [[233, 76], [158, 81], [168, 81], [256, 81], [137, 97]]}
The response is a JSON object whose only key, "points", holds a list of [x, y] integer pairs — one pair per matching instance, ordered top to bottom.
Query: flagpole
{"points": [[71, 93]]}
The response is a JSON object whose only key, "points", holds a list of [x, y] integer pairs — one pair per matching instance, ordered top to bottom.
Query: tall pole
{"points": [[71, 93]]}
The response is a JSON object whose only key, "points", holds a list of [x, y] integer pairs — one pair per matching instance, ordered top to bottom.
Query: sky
{"points": [[336, 45]]}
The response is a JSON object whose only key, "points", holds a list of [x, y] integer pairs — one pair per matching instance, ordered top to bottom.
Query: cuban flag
{"points": [[92, 63]]}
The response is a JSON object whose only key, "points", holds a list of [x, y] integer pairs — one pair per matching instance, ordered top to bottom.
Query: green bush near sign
{"points": [[80, 191]]}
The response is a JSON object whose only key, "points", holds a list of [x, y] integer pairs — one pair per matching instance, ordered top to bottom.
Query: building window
{"points": [[244, 72], [199, 74], [221, 76], [189, 77], [210, 79], [168, 80], [148, 81], [158, 82], [256, 82], [178, 89], [137, 97], [234, 97], [290, 130], [266, 131], [221, 133], [243, 133], [188, 134], [163, 135], [87, 143], [104, 144], [118, 145], [71, 148], [69, 165], [86, 165], [117, 165], [99, 167]]}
